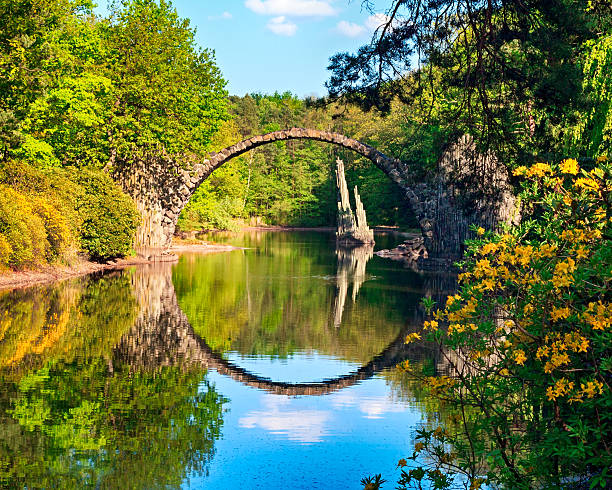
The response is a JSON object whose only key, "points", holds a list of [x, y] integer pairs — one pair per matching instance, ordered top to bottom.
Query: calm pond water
{"points": [[269, 367]]}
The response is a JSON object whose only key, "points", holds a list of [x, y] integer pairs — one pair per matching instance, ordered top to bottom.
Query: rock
{"points": [[350, 230]]}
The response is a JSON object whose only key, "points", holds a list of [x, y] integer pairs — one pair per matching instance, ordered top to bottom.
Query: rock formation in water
{"points": [[350, 230]]}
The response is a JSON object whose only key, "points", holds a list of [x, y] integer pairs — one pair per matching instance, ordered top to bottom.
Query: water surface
{"points": [[269, 367]]}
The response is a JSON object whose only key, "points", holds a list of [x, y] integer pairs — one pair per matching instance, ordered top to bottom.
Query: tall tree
{"points": [[504, 70]]}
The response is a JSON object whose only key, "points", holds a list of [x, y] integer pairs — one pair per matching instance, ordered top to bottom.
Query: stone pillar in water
{"points": [[350, 230]]}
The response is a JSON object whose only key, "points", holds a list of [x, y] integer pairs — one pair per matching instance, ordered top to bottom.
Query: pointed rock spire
{"points": [[350, 230]]}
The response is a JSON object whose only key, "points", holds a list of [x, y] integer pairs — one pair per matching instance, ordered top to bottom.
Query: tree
{"points": [[505, 71], [169, 95]]}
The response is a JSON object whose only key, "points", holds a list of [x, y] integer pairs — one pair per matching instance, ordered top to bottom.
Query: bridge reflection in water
{"points": [[163, 336]]}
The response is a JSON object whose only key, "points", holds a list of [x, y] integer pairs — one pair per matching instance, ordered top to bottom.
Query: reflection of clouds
{"points": [[373, 407], [298, 425]]}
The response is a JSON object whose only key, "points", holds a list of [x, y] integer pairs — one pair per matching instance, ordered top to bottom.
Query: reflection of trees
{"points": [[352, 263], [279, 299], [83, 317], [163, 336], [100, 376], [74, 416], [87, 427]]}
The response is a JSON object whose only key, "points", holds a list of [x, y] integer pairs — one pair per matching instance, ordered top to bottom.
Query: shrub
{"points": [[45, 213], [108, 216], [22, 228], [57, 228], [529, 341]]}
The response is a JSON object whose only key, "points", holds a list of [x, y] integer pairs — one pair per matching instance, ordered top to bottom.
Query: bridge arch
{"points": [[162, 188]]}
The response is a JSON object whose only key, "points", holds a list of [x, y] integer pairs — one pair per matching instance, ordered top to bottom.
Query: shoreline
{"points": [[55, 273]]}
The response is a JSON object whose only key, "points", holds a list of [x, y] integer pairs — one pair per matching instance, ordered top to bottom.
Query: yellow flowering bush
{"points": [[528, 342]]}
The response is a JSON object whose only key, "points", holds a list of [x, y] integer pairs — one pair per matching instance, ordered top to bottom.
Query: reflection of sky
{"points": [[299, 367], [330, 441]]}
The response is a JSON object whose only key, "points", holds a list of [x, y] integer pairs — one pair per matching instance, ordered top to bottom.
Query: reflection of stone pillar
{"points": [[350, 230], [351, 267], [161, 335]]}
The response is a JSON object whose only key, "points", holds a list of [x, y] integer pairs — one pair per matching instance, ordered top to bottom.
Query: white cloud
{"points": [[296, 8], [224, 16], [374, 21], [281, 26], [350, 29], [371, 407]]}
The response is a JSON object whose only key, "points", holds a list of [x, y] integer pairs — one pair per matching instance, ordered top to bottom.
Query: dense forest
{"points": [[294, 183]]}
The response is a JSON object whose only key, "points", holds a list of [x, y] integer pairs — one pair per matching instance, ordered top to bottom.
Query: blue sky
{"points": [[278, 45]]}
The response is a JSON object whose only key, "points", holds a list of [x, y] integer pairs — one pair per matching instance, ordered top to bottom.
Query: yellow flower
{"points": [[569, 166], [522, 170], [539, 170], [587, 184], [480, 231], [489, 248], [547, 250], [582, 253], [565, 267], [559, 313], [598, 315], [430, 325], [412, 337], [542, 352], [520, 357], [556, 360], [404, 366], [562, 387], [591, 388], [419, 446], [401, 463]]}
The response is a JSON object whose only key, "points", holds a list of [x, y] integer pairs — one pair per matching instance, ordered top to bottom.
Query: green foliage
{"points": [[507, 73], [81, 90], [169, 93], [67, 125], [592, 134], [108, 216], [528, 341], [73, 416]]}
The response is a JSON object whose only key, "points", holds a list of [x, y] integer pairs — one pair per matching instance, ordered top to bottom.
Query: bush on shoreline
{"points": [[49, 215], [528, 340]]}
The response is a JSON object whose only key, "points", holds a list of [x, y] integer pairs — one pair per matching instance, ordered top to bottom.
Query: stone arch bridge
{"points": [[161, 188]]}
